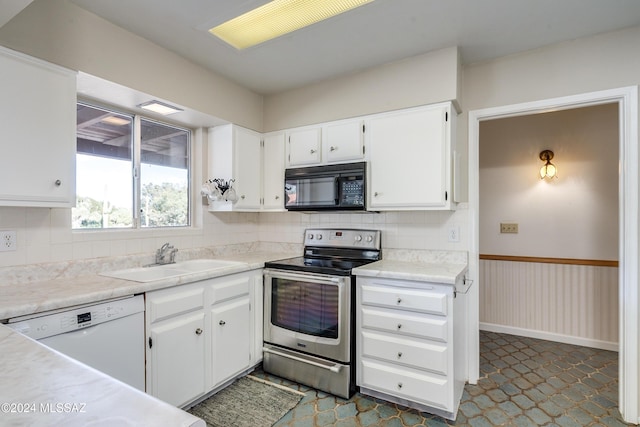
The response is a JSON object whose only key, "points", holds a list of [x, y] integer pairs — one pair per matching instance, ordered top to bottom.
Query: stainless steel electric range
{"points": [[309, 309]]}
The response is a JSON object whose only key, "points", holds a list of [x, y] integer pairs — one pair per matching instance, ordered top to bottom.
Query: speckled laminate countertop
{"points": [[444, 273], [41, 387]]}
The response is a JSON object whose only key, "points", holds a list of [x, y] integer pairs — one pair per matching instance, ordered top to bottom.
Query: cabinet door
{"points": [[38, 118], [344, 141], [303, 147], [409, 157], [273, 167], [247, 169], [231, 339], [176, 359]]}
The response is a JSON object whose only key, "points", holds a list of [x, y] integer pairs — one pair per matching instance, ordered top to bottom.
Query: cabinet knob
{"points": [[332, 148], [312, 151], [58, 183], [376, 194], [242, 197], [277, 197], [399, 300], [222, 323], [399, 326], [198, 331], [399, 354], [399, 385]]}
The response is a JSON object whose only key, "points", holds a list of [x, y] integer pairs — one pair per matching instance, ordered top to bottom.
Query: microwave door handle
{"points": [[336, 201]]}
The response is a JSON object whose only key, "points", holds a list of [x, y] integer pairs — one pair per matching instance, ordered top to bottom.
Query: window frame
{"points": [[136, 163]]}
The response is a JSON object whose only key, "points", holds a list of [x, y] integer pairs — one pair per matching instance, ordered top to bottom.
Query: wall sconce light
{"points": [[548, 170]]}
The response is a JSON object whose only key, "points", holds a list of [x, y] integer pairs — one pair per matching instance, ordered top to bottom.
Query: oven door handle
{"points": [[316, 278], [334, 368]]}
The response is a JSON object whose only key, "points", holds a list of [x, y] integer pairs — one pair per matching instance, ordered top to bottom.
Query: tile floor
{"points": [[524, 382]]}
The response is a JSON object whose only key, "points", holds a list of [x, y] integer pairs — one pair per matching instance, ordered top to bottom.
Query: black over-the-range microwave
{"points": [[326, 188]]}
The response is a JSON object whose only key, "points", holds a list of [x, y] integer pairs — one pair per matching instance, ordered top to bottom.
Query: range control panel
{"points": [[342, 238]]}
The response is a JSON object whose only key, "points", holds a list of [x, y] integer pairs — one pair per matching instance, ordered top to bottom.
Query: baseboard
{"points": [[550, 336]]}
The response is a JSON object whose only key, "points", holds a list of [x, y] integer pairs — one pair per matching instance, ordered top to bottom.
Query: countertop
{"points": [[443, 273], [37, 297], [41, 387]]}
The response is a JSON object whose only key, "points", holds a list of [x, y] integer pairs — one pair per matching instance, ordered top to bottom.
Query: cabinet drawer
{"points": [[226, 289], [405, 299], [171, 302], [422, 326], [418, 354], [430, 390]]}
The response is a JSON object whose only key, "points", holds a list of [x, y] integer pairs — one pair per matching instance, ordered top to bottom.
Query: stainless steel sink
{"points": [[159, 272]]}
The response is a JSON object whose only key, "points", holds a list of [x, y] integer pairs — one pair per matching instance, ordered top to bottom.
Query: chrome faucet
{"points": [[163, 252]]}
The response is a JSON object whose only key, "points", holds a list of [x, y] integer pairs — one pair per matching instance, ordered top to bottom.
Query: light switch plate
{"points": [[509, 227]]}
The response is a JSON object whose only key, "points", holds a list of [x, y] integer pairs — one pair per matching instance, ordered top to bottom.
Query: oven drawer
{"points": [[405, 298], [411, 324], [419, 354], [420, 387]]}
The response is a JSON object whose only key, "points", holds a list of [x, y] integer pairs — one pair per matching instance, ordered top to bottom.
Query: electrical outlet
{"points": [[509, 227], [454, 234], [8, 241]]}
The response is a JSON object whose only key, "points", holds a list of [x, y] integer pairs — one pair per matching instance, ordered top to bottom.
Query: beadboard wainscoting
{"points": [[559, 301]]}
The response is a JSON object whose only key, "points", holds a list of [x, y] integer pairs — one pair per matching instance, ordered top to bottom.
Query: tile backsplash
{"points": [[45, 235]]}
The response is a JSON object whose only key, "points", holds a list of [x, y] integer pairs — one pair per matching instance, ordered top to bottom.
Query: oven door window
{"points": [[311, 192], [308, 308]]}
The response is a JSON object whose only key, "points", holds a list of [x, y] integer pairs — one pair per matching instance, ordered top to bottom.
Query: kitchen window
{"points": [[131, 171]]}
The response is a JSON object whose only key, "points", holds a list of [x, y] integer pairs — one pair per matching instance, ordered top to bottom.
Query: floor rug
{"points": [[248, 402]]}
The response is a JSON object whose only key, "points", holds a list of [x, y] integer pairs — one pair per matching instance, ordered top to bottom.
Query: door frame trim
{"points": [[628, 186]]}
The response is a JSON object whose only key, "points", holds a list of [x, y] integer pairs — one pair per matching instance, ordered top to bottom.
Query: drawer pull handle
{"points": [[312, 151], [58, 183], [399, 300], [222, 323], [399, 326], [198, 331], [399, 354], [399, 385]]}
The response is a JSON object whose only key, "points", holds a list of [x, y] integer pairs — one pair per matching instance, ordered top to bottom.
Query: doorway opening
{"points": [[626, 101]]}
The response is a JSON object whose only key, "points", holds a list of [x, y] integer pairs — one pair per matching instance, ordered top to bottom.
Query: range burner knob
{"points": [[310, 236], [319, 236], [358, 238], [369, 238]]}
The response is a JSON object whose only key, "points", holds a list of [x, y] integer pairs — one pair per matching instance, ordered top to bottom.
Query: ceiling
{"points": [[376, 33]]}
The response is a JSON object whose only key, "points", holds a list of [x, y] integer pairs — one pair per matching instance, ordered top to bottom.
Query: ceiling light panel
{"points": [[277, 18], [160, 107]]}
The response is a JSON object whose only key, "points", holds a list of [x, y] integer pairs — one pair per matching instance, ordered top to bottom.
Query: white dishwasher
{"points": [[108, 336]]}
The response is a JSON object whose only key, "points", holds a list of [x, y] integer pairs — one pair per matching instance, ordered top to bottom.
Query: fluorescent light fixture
{"points": [[277, 18], [160, 107], [116, 121]]}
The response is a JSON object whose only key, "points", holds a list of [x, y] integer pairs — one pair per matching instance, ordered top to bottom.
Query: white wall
{"points": [[60, 32], [419, 80], [572, 216]]}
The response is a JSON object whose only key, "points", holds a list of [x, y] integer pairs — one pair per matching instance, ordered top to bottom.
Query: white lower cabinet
{"points": [[201, 335], [406, 344]]}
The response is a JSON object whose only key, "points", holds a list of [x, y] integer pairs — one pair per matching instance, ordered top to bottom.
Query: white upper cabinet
{"points": [[38, 121], [343, 141], [304, 146], [235, 153], [410, 158], [247, 163], [255, 163], [273, 171]]}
